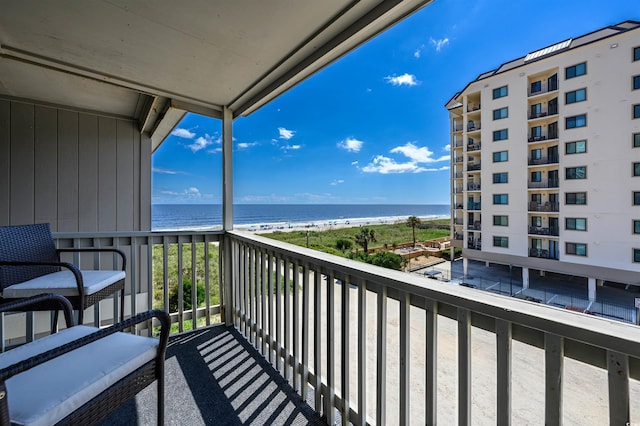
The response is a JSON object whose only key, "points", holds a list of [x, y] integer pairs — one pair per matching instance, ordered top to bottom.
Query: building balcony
{"points": [[542, 89], [472, 108], [543, 113], [458, 127], [474, 127], [543, 137], [473, 147], [458, 159], [543, 160], [473, 167], [457, 175], [549, 183], [473, 186], [459, 190], [474, 206], [544, 207], [476, 226], [538, 230], [542, 253], [281, 349]]}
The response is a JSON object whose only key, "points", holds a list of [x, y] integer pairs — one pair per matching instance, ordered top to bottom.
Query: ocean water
{"points": [[202, 216]]}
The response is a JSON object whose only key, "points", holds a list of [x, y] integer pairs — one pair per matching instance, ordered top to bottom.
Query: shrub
{"points": [[343, 244], [186, 288]]}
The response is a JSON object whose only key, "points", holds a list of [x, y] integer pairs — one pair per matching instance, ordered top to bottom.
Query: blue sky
{"points": [[372, 127]]}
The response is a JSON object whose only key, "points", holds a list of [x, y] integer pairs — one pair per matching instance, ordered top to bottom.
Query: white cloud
{"points": [[439, 44], [402, 80], [183, 133], [285, 134], [201, 143], [245, 145], [351, 145], [290, 147], [447, 147], [416, 156], [354, 163], [168, 171], [337, 182], [193, 192]]}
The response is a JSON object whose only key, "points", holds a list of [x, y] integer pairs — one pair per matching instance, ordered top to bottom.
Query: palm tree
{"points": [[413, 221], [363, 237]]}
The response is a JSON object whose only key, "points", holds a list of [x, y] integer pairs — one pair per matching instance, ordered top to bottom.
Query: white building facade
{"points": [[545, 160]]}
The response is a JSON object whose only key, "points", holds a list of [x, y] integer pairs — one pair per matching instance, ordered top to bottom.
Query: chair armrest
{"points": [[88, 250], [70, 266], [48, 300], [29, 363]]}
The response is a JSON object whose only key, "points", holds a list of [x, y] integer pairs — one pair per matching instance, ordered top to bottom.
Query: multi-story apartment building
{"points": [[545, 160]]}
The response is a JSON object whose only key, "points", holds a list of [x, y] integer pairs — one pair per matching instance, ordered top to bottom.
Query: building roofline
{"points": [[583, 40]]}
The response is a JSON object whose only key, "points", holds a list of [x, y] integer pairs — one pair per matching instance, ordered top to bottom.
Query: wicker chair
{"points": [[30, 265], [81, 374]]}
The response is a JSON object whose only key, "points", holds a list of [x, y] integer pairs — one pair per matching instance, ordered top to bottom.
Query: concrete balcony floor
{"points": [[214, 376]]}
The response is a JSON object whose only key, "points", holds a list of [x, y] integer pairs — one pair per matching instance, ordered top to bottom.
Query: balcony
{"points": [[543, 88], [546, 112], [473, 127], [473, 147], [543, 160], [473, 167], [549, 183], [471, 186], [474, 206], [544, 207], [476, 226], [539, 230], [474, 243], [542, 253], [356, 341], [327, 357]]}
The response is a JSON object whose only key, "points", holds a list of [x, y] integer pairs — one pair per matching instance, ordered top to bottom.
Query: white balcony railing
{"points": [[347, 332], [377, 345]]}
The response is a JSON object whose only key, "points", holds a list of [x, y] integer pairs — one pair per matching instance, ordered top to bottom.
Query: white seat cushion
{"points": [[63, 283], [49, 392]]}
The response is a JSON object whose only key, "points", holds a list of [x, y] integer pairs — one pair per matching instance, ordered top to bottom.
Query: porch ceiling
{"points": [[153, 60]]}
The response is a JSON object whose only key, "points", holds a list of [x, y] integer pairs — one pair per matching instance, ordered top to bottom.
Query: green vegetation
{"points": [[387, 236], [364, 237], [172, 275]]}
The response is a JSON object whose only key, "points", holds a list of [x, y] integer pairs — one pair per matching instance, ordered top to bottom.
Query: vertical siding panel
{"points": [[5, 165], [46, 166], [67, 171], [88, 172], [106, 174], [124, 175], [21, 186], [144, 196]]}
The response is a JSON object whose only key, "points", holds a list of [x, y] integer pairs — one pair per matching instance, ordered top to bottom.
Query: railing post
{"points": [[464, 367]]}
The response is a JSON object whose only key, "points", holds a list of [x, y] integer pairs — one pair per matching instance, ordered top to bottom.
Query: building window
{"points": [[636, 53], [575, 70], [636, 82], [536, 86], [500, 92], [575, 96], [636, 111], [500, 113], [576, 121], [536, 132], [500, 135], [636, 140], [576, 147], [500, 156], [636, 169], [571, 173], [536, 176], [501, 177], [500, 198], [576, 198], [636, 198], [502, 220], [536, 221], [575, 223], [636, 226], [501, 242], [576, 249], [636, 255]]}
